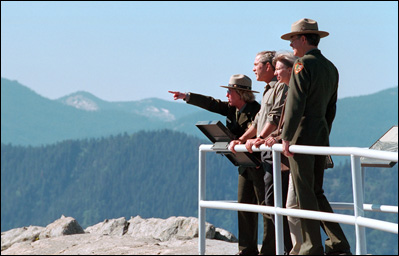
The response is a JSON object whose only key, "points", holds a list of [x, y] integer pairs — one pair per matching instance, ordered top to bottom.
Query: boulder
{"points": [[61, 227], [109, 227], [164, 230], [18, 235], [224, 235]]}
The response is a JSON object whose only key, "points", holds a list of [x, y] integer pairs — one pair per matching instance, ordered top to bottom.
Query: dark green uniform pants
{"points": [[307, 174], [251, 190]]}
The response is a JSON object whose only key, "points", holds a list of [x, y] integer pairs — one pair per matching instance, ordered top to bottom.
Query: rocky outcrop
{"points": [[61, 227], [117, 227], [164, 230], [18, 235], [114, 236]]}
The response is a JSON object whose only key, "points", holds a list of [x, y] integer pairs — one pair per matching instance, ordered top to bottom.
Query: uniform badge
{"points": [[298, 67]]}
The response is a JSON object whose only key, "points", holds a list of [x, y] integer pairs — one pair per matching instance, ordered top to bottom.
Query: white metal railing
{"points": [[358, 206]]}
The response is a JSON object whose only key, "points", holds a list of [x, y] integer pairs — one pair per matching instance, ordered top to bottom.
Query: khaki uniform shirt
{"points": [[271, 105], [270, 110]]}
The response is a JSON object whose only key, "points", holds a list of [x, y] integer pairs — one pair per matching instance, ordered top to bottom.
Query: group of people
{"points": [[297, 108]]}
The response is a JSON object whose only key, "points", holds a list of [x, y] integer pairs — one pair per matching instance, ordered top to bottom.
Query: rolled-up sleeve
{"points": [[277, 103], [255, 121]]}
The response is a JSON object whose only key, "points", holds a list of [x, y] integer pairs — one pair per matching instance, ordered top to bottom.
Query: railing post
{"points": [[363, 180], [357, 183], [201, 196], [278, 219]]}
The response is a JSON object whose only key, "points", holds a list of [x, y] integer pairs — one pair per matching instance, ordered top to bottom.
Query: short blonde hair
{"points": [[246, 96]]}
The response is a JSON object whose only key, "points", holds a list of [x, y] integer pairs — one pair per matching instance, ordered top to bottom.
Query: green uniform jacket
{"points": [[311, 101], [237, 126]]}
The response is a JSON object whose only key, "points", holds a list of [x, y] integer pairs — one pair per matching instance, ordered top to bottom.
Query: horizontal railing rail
{"points": [[358, 219]]}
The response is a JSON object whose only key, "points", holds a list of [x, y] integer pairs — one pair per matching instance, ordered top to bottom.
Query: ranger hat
{"points": [[304, 26], [240, 82]]}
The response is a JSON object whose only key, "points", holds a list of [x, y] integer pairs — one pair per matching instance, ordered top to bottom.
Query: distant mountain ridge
{"points": [[82, 100], [152, 108], [30, 119]]}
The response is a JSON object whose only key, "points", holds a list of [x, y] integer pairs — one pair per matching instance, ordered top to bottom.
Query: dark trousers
{"points": [[307, 175], [251, 190], [269, 201]]}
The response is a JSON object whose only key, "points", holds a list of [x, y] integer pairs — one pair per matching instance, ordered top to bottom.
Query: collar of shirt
{"points": [[314, 49], [271, 84], [242, 109]]}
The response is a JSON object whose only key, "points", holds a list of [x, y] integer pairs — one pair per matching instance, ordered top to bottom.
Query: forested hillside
{"points": [[151, 174]]}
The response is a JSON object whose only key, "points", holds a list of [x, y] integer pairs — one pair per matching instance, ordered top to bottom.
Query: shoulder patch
{"points": [[298, 67]]}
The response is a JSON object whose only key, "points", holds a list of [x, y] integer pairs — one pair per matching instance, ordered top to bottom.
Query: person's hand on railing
{"points": [[270, 141], [258, 142], [232, 144], [249, 144], [286, 151]]}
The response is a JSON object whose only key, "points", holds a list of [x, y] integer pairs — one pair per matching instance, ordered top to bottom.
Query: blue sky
{"points": [[126, 51]]}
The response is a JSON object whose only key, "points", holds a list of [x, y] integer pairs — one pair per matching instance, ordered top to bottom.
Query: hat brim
{"points": [[289, 35], [234, 88]]}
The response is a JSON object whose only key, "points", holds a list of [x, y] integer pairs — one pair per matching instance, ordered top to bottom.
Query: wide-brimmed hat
{"points": [[304, 26], [240, 82]]}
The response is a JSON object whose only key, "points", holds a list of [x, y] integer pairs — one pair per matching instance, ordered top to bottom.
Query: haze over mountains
{"points": [[30, 119]]}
